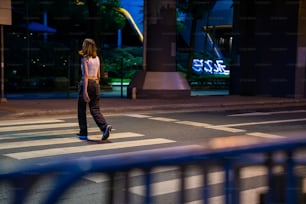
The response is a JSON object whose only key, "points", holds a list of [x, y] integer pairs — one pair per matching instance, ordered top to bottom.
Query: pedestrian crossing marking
{"points": [[268, 113], [138, 116], [163, 119], [28, 122], [265, 122], [197, 124], [36, 126], [214, 127], [226, 129], [57, 132], [45, 133], [121, 135], [265, 135], [42, 142], [35, 143], [88, 148], [101, 177], [196, 181], [171, 186], [158, 188], [249, 196], [196, 202]]}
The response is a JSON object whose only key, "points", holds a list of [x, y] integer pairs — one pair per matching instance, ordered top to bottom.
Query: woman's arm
{"points": [[99, 71], [85, 80]]}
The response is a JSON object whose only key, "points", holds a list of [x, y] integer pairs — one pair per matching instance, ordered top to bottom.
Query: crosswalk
{"points": [[37, 138], [41, 138]]}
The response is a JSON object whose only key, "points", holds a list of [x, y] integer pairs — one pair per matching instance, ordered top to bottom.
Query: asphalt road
{"points": [[39, 140]]}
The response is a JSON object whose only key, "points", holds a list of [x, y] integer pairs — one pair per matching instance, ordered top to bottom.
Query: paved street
{"points": [[23, 107], [44, 139]]}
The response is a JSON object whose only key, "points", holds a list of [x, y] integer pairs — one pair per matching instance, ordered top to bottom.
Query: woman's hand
{"points": [[86, 97]]}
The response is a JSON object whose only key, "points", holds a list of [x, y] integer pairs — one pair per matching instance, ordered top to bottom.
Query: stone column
{"points": [[267, 47], [300, 74], [159, 78]]}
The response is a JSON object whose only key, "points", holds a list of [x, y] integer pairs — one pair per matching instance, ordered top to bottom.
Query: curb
{"points": [[11, 113]]}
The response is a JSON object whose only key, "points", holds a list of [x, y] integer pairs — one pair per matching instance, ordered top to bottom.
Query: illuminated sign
{"points": [[201, 66]]}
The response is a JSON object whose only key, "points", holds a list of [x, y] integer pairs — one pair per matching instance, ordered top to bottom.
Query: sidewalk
{"points": [[25, 106]]}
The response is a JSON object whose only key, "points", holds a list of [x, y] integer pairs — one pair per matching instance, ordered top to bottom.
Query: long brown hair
{"points": [[89, 48]]}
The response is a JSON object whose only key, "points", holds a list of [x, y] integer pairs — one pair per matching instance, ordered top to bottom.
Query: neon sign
{"points": [[201, 66]]}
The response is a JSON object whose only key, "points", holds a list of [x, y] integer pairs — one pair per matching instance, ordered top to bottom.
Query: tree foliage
{"points": [[30, 57]]}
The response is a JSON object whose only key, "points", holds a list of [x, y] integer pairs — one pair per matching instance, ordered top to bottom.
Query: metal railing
{"points": [[228, 153]]}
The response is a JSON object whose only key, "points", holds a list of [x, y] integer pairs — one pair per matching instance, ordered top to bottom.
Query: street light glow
{"points": [[79, 3]]}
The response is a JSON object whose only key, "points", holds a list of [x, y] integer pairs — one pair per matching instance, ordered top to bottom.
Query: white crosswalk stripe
{"points": [[268, 113], [138, 116], [163, 119], [28, 122], [266, 122], [191, 123], [37, 126], [43, 133], [265, 135], [35, 137], [41, 142], [89, 148], [100, 177], [196, 181], [250, 196]]}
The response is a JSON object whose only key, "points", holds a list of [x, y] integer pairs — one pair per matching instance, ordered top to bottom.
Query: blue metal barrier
{"points": [[230, 157]]}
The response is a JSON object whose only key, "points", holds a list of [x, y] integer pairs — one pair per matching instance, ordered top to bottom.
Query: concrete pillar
{"points": [[267, 48], [300, 74], [159, 78]]}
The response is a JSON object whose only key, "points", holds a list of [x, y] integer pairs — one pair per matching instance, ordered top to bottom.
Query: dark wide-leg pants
{"points": [[93, 90]]}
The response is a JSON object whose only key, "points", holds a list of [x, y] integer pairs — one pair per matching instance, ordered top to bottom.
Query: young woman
{"points": [[89, 91]]}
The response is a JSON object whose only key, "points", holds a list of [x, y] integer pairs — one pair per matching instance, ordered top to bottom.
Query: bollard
{"points": [[134, 93]]}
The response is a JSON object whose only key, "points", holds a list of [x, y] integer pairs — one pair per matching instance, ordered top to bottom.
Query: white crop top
{"points": [[93, 66]]}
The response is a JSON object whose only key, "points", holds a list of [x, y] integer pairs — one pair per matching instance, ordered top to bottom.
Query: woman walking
{"points": [[89, 91]]}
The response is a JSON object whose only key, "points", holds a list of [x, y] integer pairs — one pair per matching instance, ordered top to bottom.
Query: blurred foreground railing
{"points": [[230, 153]]}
